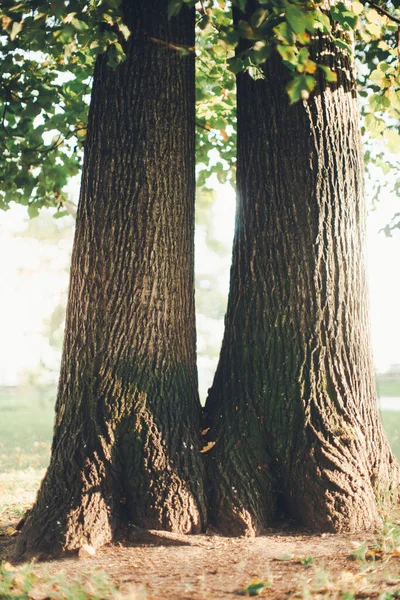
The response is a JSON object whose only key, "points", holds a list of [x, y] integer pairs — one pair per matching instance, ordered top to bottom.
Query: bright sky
{"points": [[33, 275]]}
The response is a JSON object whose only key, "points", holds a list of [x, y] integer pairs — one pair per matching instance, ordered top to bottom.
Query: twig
{"points": [[172, 46], [206, 126]]}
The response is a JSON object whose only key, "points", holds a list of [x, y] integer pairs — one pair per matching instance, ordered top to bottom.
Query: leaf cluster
{"points": [[48, 52], [215, 96]]}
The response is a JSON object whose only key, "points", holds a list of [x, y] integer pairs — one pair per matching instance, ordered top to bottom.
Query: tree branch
{"points": [[381, 11], [173, 46], [206, 126]]}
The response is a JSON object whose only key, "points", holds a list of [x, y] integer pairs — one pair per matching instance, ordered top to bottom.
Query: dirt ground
{"points": [[164, 566]]}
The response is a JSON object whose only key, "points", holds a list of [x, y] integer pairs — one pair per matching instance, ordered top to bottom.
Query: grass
{"points": [[387, 387], [391, 424], [26, 429], [17, 493], [23, 583]]}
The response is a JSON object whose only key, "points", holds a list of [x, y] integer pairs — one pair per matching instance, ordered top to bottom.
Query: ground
{"points": [[162, 566]]}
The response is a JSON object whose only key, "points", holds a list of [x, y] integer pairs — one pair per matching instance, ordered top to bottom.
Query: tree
{"points": [[292, 411], [291, 415], [126, 436]]}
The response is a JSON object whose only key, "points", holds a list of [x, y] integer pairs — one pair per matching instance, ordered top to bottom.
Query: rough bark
{"points": [[293, 406], [126, 444]]}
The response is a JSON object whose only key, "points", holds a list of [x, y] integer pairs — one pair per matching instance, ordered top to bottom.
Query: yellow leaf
{"points": [[357, 7], [372, 15], [69, 17], [5, 21], [15, 29], [374, 29], [303, 37], [384, 45], [310, 67], [392, 141], [205, 431], [207, 447], [373, 554]]}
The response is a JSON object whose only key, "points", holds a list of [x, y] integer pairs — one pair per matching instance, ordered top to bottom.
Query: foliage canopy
{"points": [[48, 51]]}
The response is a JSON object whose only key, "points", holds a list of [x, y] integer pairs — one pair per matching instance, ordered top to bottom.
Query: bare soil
{"points": [[163, 566]]}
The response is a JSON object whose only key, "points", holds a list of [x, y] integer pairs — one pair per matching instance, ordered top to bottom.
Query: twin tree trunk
{"points": [[293, 406], [126, 440]]}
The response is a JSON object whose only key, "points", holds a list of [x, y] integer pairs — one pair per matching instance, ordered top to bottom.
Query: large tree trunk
{"points": [[293, 406], [126, 440]]}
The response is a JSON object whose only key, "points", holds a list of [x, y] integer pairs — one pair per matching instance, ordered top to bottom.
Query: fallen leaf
{"points": [[205, 431], [208, 447], [86, 551], [374, 554], [254, 589]]}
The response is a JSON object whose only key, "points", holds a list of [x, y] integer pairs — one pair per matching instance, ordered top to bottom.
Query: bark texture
{"points": [[293, 407], [126, 444]]}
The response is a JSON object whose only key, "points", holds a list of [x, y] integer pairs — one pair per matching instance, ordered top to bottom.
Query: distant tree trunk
{"points": [[293, 406], [126, 439]]}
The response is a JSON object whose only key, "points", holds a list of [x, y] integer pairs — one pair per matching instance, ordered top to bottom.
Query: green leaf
{"points": [[113, 3], [240, 4], [174, 7], [258, 17], [296, 18], [346, 18], [322, 22], [79, 25], [124, 29], [343, 45], [287, 53], [115, 55], [235, 65], [330, 76], [379, 78], [300, 87], [32, 109], [374, 125], [33, 211], [60, 214], [306, 562], [254, 589]]}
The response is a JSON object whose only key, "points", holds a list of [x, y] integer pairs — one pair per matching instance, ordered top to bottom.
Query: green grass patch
{"points": [[387, 387], [391, 424], [26, 430], [17, 493], [23, 583]]}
